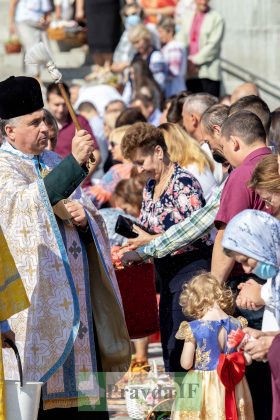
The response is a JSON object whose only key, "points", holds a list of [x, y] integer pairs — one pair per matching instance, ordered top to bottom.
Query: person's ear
{"points": [[195, 120], [217, 130], [10, 132], [236, 142], [159, 152]]}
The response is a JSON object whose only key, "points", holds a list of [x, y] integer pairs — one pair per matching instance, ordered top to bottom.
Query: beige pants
{"points": [[28, 36]]}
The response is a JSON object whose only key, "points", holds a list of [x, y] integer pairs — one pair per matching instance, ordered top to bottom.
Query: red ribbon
{"points": [[231, 369]]}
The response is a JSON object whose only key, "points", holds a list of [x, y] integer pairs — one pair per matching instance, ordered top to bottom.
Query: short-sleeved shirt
{"points": [[31, 11], [236, 195]]}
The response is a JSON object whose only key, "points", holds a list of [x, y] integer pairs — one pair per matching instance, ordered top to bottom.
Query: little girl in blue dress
{"points": [[214, 387]]}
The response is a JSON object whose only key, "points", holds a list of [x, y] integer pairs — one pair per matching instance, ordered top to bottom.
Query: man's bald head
{"points": [[245, 89]]}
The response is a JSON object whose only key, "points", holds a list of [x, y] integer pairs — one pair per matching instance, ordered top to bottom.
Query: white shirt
{"points": [[31, 10], [99, 96], [218, 167], [205, 178], [269, 317]]}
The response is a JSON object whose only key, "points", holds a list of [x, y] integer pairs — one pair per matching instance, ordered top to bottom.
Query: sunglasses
{"points": [[113, 144], [268, 201]]}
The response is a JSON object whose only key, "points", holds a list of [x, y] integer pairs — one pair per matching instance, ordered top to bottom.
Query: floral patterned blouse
{"points": [[181, 197]]}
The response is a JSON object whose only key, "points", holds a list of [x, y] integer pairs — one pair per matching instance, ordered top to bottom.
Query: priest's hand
{"points": [[82, 146], [77, 213]]}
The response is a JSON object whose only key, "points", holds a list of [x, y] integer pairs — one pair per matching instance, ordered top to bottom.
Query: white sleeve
{"points": [[266, 294]]}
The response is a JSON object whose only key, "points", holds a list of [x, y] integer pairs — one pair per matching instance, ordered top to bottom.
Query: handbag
{"points": [[138, 292], [22, 399]]}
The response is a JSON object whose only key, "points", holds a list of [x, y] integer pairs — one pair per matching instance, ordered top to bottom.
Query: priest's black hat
{"points": [[19, 96]]}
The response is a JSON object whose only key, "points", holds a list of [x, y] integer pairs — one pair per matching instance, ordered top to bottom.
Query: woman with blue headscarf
{"points": [[252, 238]]}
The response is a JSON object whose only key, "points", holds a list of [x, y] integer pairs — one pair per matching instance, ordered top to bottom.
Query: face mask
{"points": [[131, 21], [218, 157], [265, 271]]}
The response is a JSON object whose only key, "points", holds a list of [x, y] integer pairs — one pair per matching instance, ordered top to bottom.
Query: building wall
{"points": [[251, 47]]}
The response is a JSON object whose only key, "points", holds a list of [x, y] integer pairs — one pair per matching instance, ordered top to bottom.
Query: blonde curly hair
{"points": [[200, 294]]}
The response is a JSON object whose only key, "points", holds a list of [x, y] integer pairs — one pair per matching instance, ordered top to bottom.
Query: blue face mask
{"points": [[131, 21], [265, 271]]}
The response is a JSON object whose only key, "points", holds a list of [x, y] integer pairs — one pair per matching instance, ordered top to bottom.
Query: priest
{"points": [[74, 327]]}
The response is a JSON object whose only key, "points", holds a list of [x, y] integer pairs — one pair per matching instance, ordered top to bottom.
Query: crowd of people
{"points": [[197, 174]]}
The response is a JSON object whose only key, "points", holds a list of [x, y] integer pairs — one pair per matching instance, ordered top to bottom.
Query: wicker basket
{"points": [[56, 34], [71, 39], [75, 40], [13, 47], [137, 408], [162, 410]]}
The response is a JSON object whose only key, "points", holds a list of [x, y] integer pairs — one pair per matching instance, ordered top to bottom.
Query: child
{"points": [[215, 387]]}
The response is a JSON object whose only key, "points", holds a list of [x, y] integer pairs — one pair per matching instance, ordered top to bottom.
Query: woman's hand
{"points": [[193, 69], [98, 193], [77, 213], [142, 239], [130, 257], [251, 282], [250, 295], [245, 303], [253, 333], [258, 348]]}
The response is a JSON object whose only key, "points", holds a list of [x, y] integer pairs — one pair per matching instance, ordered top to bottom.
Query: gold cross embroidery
{"points": [[47, 227], [25, 232], [57, 266], [30, 270], [66, 303], [34, 348]]}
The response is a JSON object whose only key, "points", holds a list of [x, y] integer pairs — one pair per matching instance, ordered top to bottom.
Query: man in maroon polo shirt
{"points": [[58, 108], [244, 145]]}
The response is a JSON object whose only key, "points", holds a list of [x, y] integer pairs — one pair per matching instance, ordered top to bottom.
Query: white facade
{"points": [[251, 47]]}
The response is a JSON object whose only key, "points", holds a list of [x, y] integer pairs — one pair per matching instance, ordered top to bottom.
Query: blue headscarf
{"points": [[256, 234]]}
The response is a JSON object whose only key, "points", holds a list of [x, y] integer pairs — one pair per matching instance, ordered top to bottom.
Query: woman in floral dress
{"points": [[170, 195]]}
